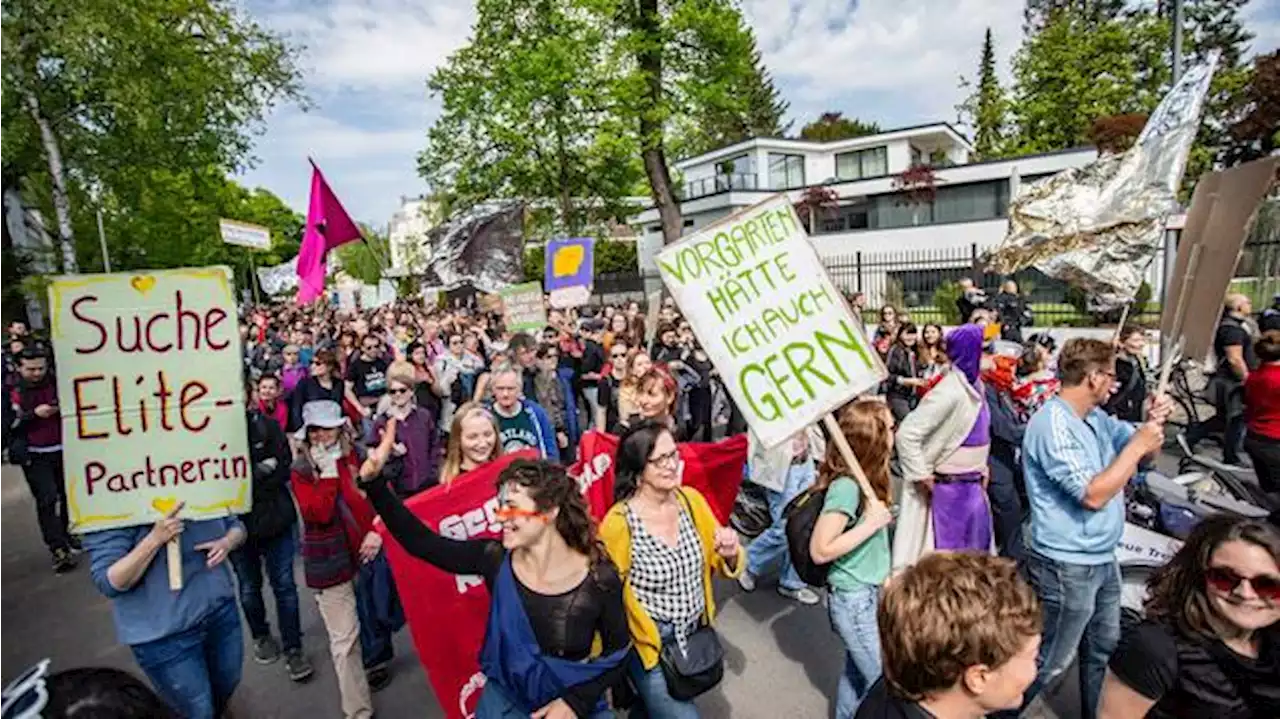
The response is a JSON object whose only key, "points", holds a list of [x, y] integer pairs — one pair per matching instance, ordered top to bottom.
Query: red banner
{"points": [[447, 613]]}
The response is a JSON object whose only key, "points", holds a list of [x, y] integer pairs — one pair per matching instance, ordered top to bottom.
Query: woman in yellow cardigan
{"points": [[665, 542]]}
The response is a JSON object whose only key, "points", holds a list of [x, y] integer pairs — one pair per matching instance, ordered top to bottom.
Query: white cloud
{"points": [[907, 57]]}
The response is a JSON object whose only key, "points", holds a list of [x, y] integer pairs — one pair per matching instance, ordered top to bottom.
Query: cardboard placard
{"points": [[1222, 211], [570, 270], [523, 308], [777, 329], [152, 405]]}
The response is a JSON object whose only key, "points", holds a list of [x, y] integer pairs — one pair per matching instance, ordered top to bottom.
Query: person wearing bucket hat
{"points": [[337, 535]]}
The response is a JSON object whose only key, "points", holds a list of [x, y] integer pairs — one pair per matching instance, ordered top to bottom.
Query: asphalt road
{"points": [[782, 658]]}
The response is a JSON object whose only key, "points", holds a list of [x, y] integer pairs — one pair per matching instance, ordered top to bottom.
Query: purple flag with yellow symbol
{"points": [[570, 263]]}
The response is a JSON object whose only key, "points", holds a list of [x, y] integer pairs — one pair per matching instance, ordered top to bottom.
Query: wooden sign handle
{"points": [[842, 445], [173, 549]]}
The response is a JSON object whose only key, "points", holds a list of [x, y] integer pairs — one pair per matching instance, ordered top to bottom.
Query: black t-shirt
{"points": [[1231, 332], [592, 361], [369, 378], [608, 398], [1199, 677], [879, 704]]}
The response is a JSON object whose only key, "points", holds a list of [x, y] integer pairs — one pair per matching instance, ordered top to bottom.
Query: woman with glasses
{"points": [[322, 384], [610, 387], [416, 447], [667, 543], [554, 594], [1210, 643]]}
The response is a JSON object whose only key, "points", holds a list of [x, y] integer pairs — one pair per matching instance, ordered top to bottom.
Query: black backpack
{"points": [[801, 515]]}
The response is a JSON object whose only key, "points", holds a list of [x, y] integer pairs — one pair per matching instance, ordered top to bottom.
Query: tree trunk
{"points": [[652, 148], [61, 201]]}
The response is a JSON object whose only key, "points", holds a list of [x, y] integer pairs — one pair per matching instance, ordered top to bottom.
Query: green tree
{"points": [[1037, 13], [681, 60], [1076, 70], [98, 96], [986, 110], [527, 114], [762, 114], [832, 126], [363, 259]]}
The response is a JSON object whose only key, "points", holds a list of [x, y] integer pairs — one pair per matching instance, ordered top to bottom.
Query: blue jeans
{"points": [[771, 545], [276, 556], [1081, 607], [853, 617], [196, 670], [651, 685], [495, 703]]}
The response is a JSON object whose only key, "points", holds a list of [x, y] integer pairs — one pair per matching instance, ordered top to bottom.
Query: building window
{"points": [[917, 157], [872, 162], [785, 171], [735, 173], [967, 203]]}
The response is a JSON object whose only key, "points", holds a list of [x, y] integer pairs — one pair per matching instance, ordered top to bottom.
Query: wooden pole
{"points": [[1124, 316], [1173, 343], [842, 444], [173, 551]]}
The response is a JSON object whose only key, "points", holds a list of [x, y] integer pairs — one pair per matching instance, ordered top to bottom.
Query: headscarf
{"points": [[964, 348]]}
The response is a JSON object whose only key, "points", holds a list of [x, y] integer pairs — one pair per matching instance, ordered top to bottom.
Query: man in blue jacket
{"points": [[522, 423], [1077, 460]]}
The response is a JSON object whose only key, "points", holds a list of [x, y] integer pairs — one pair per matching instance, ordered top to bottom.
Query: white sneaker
{"points": [[747, 581], [804, 595]]}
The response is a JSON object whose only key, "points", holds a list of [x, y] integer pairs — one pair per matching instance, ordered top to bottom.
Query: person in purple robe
{"points": [[961, 515]]}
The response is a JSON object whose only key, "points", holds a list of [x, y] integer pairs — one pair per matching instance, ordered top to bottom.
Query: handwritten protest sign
{"points": [[523, 307], [781, 335], [152, 404]]}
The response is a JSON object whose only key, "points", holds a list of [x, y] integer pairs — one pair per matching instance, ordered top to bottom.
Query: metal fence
{"points": [[921, 282]]}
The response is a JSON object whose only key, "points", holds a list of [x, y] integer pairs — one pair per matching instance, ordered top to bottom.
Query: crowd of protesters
{"points": [[967, 562]]}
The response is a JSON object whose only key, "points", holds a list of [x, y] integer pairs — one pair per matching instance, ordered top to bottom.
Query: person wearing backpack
{"points": [[785, 472], [851, 537]]}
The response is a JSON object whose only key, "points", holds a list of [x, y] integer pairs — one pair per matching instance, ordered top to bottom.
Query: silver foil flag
{"points": [[1099, 226], [483, 246]]}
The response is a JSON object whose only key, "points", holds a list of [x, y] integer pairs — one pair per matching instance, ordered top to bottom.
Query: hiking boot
{"points": [[74, 542], [63, 561], [747, 581], [804, 595], [266, 650], [299, 668], [378, 678]]}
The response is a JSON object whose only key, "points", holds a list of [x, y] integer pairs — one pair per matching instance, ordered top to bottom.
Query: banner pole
{"points": [[253, 278], [842, 444], [173, 550]]}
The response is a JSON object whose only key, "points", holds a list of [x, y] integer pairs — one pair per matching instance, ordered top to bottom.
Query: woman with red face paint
{"points": [[554, 593]]}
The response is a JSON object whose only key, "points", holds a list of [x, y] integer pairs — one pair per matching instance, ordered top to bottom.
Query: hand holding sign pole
{"points": [[787, 345]]}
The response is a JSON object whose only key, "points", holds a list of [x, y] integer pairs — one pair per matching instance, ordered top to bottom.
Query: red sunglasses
{"points": [[503, 514], [1226, 581]]}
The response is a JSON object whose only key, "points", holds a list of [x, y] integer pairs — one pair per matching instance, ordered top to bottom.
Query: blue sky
{"points": [[365, 62]]}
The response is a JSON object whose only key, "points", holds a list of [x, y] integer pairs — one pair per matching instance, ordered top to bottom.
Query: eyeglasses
{"points": [[619, 355], [399, 390], [670, 459], [505, 513], [1226, 580]]}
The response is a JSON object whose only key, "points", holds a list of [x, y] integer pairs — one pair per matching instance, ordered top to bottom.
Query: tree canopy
{"points": [[833, 125]]}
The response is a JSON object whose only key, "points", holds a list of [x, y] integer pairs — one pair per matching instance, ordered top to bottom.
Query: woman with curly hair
{"points": [[557, 632], [1210, 643]]}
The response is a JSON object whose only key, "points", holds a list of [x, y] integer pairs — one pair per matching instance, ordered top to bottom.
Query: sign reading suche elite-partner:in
{"points": [[761, 303]]}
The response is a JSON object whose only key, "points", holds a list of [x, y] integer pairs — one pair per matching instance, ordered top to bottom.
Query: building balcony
{"points": [[719, 183]]}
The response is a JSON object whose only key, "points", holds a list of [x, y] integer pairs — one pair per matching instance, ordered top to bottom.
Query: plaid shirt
{"points": [[667, 581]]}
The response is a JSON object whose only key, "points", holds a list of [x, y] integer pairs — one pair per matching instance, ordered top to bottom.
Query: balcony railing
{"points": [[719, 183]]}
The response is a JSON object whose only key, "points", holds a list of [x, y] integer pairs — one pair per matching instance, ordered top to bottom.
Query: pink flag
{"points": [[328, 226]]}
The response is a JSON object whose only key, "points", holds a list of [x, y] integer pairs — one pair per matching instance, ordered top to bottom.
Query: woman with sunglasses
{"points": [[611, 379], [416, 448], [667, 543], [554, 594], [1210, 643]]}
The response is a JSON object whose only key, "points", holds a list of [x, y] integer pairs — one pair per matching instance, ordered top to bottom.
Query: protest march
{"points": [[486, 483]]}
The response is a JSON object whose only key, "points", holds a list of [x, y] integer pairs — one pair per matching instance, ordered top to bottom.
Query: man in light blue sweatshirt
{"points": [[1077, 460], [187, 642]]}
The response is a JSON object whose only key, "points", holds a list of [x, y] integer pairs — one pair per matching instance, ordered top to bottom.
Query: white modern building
{"points": [[968, 209], [407, 234]]}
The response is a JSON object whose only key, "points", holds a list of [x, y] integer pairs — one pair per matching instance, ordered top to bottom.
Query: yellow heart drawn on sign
{"points": [[567, 261], [143, 283], [163, 505]]}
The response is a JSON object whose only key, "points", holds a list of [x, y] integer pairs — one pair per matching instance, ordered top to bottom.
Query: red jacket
{"points": [[1262, 401], [318, 502]]}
